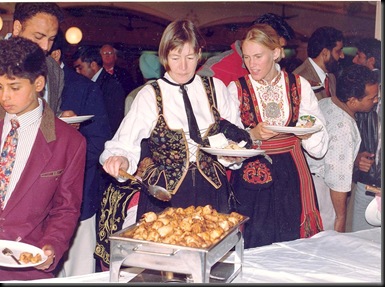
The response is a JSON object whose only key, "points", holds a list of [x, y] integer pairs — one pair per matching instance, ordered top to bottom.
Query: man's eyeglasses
{"points": [[107, 53]]}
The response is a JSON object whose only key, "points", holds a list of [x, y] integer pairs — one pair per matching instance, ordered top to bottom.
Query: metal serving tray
{"points": [[201, 265]]}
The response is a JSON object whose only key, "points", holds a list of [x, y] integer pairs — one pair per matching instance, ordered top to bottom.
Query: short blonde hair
{"points": [[177, 34], [265, 35]]}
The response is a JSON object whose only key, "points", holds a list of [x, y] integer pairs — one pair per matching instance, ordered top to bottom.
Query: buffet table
{"points": [[328, 257]]}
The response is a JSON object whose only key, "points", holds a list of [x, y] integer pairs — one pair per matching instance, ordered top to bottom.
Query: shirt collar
{"points": [[321, 74], [96, 76], [27, 118]]}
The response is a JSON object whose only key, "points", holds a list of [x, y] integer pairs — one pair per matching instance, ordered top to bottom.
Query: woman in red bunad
{"points": [[276, 191]]}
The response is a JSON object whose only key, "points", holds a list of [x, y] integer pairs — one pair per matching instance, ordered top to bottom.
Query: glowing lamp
{"points": [[73, 35]]}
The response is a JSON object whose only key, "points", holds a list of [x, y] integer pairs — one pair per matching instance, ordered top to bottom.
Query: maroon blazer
{"points": [[44, 207]]}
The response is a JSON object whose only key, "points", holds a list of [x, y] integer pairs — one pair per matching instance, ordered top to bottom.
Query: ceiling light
{"points": [[73, 35]]}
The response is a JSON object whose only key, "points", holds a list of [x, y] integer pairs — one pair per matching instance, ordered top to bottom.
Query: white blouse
{"points": [[274, 109], [143, 115]]}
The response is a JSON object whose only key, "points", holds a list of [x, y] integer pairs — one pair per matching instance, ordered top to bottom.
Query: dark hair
{"points": [[25, 11], [282, 28], [177, 34], [323, 37], [60, 43], [371, 47], [88, 54], [22, 58], [352, 82]]}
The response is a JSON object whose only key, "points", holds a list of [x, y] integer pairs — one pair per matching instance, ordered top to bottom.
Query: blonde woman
{"points": [[278, 194]]}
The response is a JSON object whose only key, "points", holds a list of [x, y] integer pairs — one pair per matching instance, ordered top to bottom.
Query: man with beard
{"points": [[324, 50]]}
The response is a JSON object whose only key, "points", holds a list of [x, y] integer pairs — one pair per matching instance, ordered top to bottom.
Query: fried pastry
{"points": [[198, 227]]}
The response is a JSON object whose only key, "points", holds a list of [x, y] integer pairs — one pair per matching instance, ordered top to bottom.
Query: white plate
{"points": [[316, 87], [75, 120], [294, 130], [233, 152], [372, 214], [17, 248]]}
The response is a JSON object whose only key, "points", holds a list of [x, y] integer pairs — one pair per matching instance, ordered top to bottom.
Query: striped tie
{"points": [[7, 160]]}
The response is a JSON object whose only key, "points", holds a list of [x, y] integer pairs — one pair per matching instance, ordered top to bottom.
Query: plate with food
{"points": [[76, 120], [299, 130], [233, 152], [28, 255]]}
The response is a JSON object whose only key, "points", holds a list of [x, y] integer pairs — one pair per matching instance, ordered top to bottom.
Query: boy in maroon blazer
{"points": [[41, 195]]}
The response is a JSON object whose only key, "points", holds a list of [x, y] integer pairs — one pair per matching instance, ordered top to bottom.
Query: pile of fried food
{"points": [[198, 227], [27, 257]]}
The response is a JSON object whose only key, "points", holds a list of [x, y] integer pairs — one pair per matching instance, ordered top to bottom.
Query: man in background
{"points": [[39, 22], [324, 50], [109, 57], [88, 62], [357, 91], [84, 97], [368, 161]]}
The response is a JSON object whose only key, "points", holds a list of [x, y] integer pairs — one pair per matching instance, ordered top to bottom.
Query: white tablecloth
{"points": [[328, 257]]}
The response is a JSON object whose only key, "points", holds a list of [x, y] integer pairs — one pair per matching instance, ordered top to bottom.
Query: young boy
{"points": [[41, 191]]}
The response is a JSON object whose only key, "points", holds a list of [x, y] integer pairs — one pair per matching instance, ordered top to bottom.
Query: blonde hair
{"points": [[177, 34], [265, 35]]}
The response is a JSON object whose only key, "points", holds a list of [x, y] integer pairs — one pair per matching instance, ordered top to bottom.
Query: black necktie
{"points": [[192, 122]]}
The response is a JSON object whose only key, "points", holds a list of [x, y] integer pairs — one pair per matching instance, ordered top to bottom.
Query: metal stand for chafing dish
{"points": [[197, 265]]}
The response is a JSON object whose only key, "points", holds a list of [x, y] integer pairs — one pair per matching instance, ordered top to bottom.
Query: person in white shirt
{"points": [[357, 91], [192, 176], [279, 195]]}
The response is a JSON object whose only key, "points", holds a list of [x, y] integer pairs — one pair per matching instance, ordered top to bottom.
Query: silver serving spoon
{"points": [[156, 191], [8, 252]]}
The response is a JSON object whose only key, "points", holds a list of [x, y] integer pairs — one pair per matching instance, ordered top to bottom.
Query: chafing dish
{"points": [[199, 265]]}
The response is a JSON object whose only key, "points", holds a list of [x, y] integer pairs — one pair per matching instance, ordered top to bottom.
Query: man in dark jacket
{"points": [[109, 57], [88, 62], [84, 97], [368, 161]]}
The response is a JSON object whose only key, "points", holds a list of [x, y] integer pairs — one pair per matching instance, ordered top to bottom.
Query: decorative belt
{"points": [[280, 144], [311, 222]]}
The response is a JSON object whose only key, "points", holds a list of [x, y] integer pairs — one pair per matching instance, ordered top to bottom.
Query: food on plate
{"points": [[306, 121], [234, 145], [198, 227], [27, 257]]}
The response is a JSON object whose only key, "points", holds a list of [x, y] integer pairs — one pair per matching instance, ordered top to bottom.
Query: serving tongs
{"points": [[156, 191]]}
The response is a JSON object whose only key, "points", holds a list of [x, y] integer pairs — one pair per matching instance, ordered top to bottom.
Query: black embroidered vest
{"points": [[170, 152]]}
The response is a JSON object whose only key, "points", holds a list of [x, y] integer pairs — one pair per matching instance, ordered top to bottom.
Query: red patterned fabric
{"points": [[327, 88], [7, 160], [311, 222]]}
